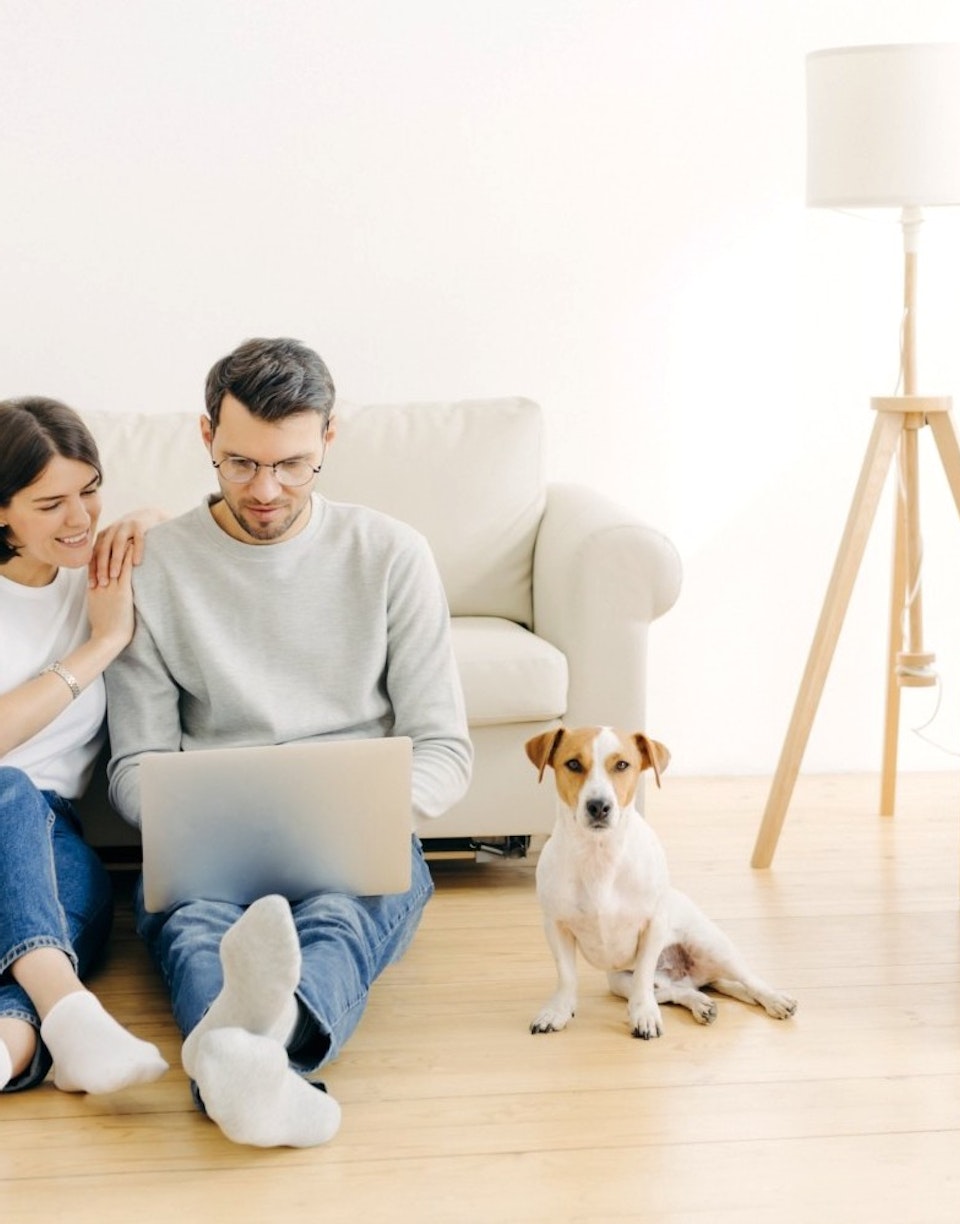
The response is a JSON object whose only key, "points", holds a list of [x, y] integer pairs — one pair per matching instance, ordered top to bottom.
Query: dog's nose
{"points": [[598, 810]]}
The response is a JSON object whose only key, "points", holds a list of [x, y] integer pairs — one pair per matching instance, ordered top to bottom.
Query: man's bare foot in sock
{"points": [[260, 955], [249, 1089]]}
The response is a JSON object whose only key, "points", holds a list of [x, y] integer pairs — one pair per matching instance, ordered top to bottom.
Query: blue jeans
{"points": [[54, 893], [346, 943]]}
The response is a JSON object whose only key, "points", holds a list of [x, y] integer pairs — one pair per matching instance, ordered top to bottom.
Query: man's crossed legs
{"points": [[269, 994]]}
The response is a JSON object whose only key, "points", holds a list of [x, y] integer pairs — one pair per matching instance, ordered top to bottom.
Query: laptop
{"points": [[233, 824]]}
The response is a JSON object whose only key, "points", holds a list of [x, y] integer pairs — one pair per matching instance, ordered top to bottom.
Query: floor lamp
{"points": [[883, 131]]}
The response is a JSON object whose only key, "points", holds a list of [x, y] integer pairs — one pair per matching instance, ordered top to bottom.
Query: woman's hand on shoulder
{"points": [[114, 542], [110, 607]]}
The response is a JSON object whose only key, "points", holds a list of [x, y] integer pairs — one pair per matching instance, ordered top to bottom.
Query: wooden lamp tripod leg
{"points": [[946, 439], [876, 464], [891, 724]]}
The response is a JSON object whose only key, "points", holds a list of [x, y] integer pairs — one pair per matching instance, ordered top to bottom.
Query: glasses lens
{"points": [[238, 471], [294, 472]]}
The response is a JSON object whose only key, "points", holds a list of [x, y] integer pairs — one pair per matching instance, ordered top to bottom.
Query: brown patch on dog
{"points": [[541, 748], [655, 756], [572, 762], [623, 767]]}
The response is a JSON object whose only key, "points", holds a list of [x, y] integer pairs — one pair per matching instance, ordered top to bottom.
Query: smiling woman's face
{"points": [[52, 521]]}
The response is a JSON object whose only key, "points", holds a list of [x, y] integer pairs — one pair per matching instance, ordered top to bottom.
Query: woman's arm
{"points": [[31, 706]]}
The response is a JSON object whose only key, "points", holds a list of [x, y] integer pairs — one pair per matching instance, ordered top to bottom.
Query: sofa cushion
{"points": [[468, 475], [509, 674]]}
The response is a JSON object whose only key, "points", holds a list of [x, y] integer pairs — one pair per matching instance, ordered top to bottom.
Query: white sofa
{"points": [[551, 587]]}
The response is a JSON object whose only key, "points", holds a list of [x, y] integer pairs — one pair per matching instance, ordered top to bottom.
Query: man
{"points": [[268, 616]]}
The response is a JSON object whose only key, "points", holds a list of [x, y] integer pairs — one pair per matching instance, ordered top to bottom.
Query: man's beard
{"points": [[264, 532]]}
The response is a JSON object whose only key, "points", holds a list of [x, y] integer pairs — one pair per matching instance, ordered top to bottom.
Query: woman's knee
{"points": [[18, 793], [26, 817]]}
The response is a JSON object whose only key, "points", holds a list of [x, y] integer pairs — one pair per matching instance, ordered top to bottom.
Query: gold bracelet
{"points": [[69, 680]]}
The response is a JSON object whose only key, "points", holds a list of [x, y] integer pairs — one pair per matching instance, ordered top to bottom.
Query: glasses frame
{"points": [[315, 471]]}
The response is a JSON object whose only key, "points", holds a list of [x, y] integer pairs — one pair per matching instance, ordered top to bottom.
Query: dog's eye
{"points": [[574, 765], [621, 766]]}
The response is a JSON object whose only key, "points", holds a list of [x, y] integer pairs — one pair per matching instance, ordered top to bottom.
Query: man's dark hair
{"points": [[273, 379], [32, 431]]}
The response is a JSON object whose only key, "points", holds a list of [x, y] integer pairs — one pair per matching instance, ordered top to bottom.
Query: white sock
{"points": [[260, 955], [93, 1053], [6, 1066], [252, 1093]]}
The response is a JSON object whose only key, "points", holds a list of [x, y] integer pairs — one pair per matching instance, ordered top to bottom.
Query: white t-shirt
{"points": [[39, 625]]}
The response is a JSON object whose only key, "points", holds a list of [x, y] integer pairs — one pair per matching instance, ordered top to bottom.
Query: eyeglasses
{"points": [[290, 472]]}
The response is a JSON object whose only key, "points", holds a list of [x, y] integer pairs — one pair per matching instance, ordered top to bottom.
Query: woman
{"points": [[65, 614]]}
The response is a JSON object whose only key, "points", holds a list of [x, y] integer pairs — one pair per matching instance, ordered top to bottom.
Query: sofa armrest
{"points": [[600, 577]]}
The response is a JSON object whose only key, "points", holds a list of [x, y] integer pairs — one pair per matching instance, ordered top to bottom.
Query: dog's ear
{"points": [[541, 748], [653, 755]]}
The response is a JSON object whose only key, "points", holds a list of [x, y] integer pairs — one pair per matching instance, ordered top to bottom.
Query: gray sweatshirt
{"points": [[341, 631]]}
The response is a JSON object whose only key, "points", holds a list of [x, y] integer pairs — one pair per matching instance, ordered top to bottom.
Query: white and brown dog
{"points": [[603, 887]]}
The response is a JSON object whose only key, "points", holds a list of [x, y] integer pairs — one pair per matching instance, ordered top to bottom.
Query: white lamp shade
{"points": [[883, 126]]}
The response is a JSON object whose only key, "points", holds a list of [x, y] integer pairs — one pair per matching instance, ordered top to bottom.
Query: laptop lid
{"points": [[234, 824]]}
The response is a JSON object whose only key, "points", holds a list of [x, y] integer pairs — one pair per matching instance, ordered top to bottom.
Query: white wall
{"points": [[596, 203]]}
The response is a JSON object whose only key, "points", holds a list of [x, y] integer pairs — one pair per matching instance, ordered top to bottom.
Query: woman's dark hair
{"points": [[32, 431]]}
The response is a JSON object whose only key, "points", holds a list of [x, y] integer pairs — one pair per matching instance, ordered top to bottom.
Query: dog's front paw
{"points": [[780, 1006], [703, 1009], [554, 1017], [645, 1021]]}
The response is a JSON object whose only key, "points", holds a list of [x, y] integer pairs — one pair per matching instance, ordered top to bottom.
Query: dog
{"points": [[603, 886]]}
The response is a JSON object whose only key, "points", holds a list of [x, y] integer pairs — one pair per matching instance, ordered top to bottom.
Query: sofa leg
{"points": [[479, 848]]}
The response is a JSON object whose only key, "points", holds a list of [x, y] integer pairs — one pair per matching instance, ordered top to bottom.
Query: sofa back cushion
{"points": [[151, 460], [468, 475]]}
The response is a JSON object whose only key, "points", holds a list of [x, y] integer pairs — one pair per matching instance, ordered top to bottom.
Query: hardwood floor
{"points": [[454, 1112]]}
